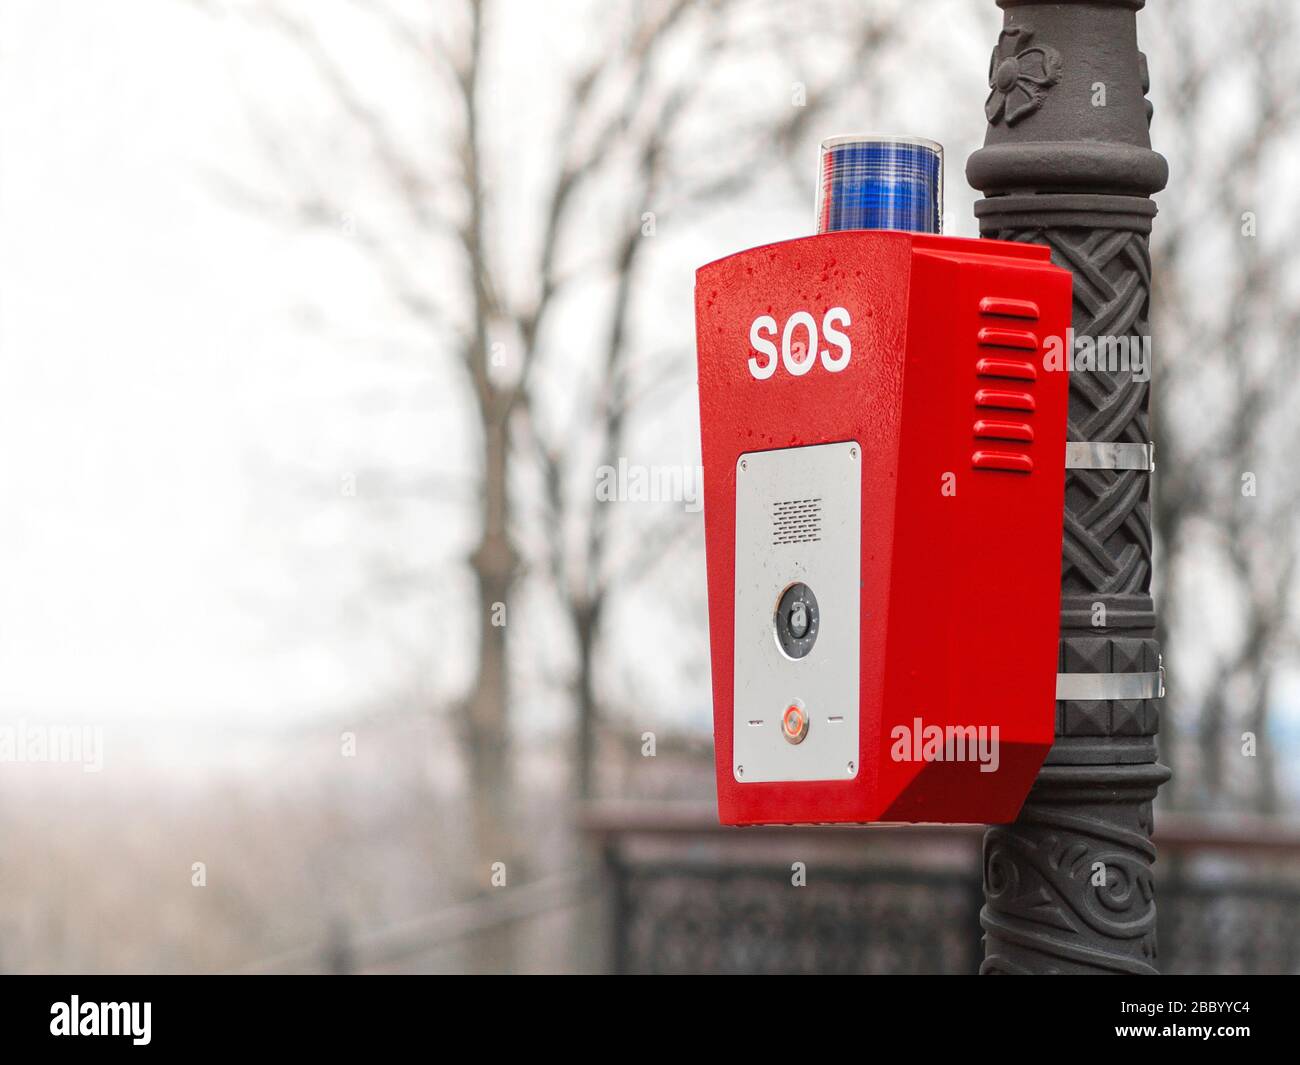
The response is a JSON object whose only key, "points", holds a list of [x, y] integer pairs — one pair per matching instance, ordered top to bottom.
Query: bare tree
{"points": [[636, 132], [675, 176]]}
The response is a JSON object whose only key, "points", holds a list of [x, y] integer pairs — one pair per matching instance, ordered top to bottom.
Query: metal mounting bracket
{"points": [[1109, 455], [1097, 687]]}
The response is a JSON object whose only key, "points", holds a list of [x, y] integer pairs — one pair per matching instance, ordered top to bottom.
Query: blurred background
{"points": [[318, 324]]}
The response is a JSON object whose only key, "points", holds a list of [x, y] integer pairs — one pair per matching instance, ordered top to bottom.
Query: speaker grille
{"points": [[797, 521]]}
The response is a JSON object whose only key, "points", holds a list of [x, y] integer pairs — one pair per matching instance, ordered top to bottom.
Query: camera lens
{"points": [[796, 620]]}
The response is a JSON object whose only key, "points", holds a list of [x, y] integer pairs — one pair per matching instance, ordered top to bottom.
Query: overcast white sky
{"points": [[144, 342]]}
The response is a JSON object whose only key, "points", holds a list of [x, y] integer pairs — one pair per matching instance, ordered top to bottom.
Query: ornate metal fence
{"points": [[685, 896], [684, 919]]}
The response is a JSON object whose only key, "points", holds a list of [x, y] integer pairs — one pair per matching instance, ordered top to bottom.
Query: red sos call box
{"points": [[884, 454]]}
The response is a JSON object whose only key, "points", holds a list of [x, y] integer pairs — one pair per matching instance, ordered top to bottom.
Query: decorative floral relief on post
{"points": [[1019, 76]]}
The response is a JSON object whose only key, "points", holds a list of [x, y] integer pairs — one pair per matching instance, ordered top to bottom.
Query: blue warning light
{"points": [[874, 182]]}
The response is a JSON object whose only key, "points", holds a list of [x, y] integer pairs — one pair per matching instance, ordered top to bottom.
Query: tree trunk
{"points": [[486, 729], [584, 754]]}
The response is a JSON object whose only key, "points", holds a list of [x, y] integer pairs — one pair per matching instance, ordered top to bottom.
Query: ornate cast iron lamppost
{"points": [[1067, 162]]}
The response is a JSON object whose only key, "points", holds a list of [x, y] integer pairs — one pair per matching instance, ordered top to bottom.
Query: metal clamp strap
{"points": [[1109, 455], [1096, 687]]}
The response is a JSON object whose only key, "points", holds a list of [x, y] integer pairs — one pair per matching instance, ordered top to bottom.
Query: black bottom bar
{"points": [[335, 1015]]}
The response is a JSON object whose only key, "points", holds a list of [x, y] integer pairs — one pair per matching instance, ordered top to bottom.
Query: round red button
{"points": [[794, 723]]}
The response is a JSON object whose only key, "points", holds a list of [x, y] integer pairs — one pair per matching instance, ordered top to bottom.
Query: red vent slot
{"points": [[1009, 308], [1008, 338], [1017, 369], [1004, 399], [991, 429], [1011, 461]]}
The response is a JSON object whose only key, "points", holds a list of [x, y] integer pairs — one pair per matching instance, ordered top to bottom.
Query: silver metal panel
{"points": [[798, 519]]}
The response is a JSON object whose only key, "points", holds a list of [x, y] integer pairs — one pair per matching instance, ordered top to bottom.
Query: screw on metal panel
{"points": [[853, 452], [744, 464], [850, 767], [740, 770]]}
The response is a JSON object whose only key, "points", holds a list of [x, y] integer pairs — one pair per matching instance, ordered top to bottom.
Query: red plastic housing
{"points": [[962, 425]]}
